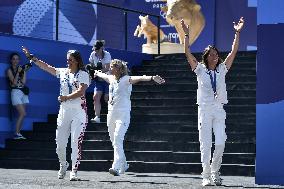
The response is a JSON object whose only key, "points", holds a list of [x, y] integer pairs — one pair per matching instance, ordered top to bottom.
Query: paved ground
{"points": [[38, 179]]}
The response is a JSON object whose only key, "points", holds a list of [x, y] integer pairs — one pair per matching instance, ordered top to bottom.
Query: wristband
{"points": [[31, 56]]}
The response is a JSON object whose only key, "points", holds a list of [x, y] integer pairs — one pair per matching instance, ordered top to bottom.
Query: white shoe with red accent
{"points": [[73, 176], [216, 179], [206, 181]]}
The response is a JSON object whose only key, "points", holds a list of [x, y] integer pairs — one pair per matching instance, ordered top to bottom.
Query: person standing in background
{"points": [[99, 60], [17, 80]]}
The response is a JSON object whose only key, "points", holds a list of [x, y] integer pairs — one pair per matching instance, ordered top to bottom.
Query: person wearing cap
{"points": [[100, 59], [119, 107], [72, 117]]}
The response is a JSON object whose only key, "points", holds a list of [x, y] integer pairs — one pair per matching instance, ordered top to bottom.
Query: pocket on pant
{"points": [[201, 120]]}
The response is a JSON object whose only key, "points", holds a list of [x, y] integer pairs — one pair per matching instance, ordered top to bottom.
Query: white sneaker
{"points": [[96, 120], [18, 136], [124, 169], [62, 171], [114, 172], [73, 176], [216, 179], [206, 181]]}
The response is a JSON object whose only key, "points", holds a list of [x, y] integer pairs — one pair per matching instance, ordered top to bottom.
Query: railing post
{"points": [[57, 20], [125, 30], [159, 46]]}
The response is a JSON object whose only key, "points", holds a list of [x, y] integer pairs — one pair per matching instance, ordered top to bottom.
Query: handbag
{"points": [[25, 90]]}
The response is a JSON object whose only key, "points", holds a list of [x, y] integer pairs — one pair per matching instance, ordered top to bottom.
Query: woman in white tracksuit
{"points": [[211, 96], [119, 107], [72, 116]]}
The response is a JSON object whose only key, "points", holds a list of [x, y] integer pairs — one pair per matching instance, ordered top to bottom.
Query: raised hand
{"points": [[238, 26], [184, 27], [26, 51], [20, 69], [158, 79]]}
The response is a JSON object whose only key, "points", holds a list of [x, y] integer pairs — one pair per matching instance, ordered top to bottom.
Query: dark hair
{"points": [[99, 44], [206, 53], [13, 54], [78, 58]]}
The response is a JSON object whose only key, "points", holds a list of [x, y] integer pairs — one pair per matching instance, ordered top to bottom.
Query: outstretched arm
{"points": [[231, 56], [190, 58], [41, 64], [102, 75], [136, 79]]}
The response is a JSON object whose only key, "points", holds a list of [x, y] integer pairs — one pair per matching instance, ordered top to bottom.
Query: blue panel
{"points": [[252, 3], [270, 12], [269, 67], [5, 97], [270, 105], [31, 109], [28, 123], [5, 124], [270, 142]]}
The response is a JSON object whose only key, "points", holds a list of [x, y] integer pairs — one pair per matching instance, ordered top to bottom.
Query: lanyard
{"points": [[69, 83], [213, 83]]}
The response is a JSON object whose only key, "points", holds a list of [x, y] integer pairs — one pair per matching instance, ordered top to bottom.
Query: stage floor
{"points": [[20, 178]]}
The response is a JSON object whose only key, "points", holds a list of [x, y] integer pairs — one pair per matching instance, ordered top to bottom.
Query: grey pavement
{"points": [[39, 179]]}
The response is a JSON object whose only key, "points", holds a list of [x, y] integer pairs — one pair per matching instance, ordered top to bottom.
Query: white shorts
{"points": [[18, 97]]}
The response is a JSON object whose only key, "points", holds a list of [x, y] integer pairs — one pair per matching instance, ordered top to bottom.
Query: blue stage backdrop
{"points": [[88, 22], [44, 87], [270, 94]]}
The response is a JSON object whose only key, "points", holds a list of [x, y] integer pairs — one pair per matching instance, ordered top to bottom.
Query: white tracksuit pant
{"points": [[211, 117], [70, 121], [118, 123]]}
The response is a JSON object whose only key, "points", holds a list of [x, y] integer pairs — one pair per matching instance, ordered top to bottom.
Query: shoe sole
{"points": [[94, 121], [20, 138], [113, 172], [59, 177], [74, 179], [218, 184], [207, 185]]}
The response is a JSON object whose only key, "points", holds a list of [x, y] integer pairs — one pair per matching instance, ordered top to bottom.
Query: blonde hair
{"points": [[122, 65]]}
